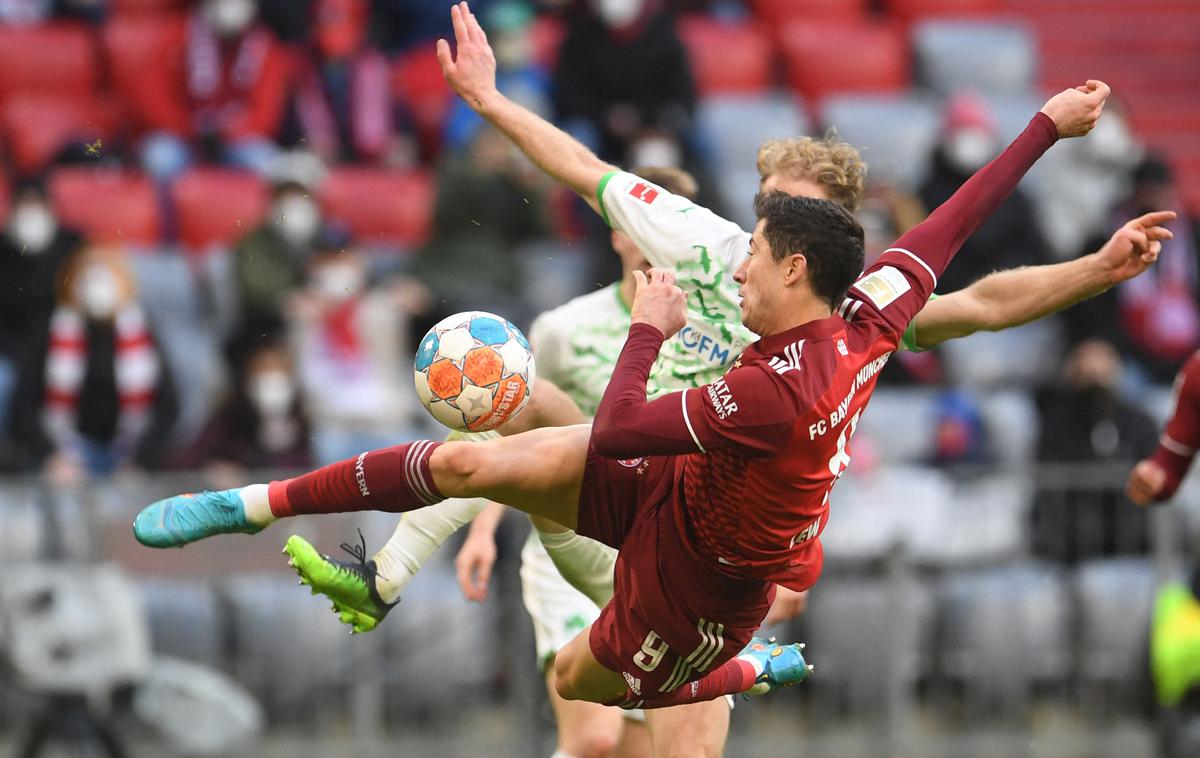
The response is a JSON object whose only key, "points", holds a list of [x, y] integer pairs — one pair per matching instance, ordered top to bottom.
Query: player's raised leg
{"points": [[539, 472], [695, 730]]}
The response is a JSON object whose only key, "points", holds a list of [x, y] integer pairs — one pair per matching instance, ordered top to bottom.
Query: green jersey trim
{"points": [[600, 196], [909, 339]]}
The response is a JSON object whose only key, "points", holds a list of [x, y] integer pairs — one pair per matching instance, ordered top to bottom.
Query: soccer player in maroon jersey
{"points": [[1158, 477], [712, 495]]}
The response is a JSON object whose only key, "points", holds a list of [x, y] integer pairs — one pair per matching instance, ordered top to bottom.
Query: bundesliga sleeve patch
{"points": [[643, 192], [882, 287]]}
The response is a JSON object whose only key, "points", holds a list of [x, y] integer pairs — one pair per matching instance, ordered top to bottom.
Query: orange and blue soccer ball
{"points": [[474, 371]]}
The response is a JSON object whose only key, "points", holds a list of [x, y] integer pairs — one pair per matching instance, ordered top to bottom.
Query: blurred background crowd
{"points": [[225, 223]]}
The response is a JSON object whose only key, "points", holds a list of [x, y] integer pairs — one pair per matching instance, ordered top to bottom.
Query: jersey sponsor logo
{"points": [[644, 192], [882, 287], [703, 345], [841, 347], [791, 359], [722, 399], [360, 474], [634, 683]]}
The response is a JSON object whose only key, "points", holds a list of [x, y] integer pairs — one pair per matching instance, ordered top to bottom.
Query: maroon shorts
{"points": [[673, 616]]}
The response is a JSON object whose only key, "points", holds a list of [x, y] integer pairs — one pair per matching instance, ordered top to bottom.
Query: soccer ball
{"points": [[474, 371]]}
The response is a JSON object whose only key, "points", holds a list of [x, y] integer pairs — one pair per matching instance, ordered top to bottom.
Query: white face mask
{"points": [[618, 13], [230, 17], [968, 149], [656, 151], [298, 218], [32, 227], [339, 281], [97, 291], [272, 392]]}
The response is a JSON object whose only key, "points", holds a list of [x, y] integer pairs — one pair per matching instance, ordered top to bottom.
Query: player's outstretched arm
{"points": [[472, 75], [1005, 299], [1158, 477], [477, 556]]}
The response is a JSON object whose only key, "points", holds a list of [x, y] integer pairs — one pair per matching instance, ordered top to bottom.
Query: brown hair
{"points": [[835, 165], [673, 180]]}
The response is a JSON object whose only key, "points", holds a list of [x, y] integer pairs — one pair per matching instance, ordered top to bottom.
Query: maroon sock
{"points": [[393, 479], [732, 677]]}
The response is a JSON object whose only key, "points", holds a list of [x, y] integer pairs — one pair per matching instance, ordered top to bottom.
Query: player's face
{"points": [[793, 186], [760, 284]]}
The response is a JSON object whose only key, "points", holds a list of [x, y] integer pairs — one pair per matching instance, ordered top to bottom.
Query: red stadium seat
{"points": [[145, 7], [911, 10], [777, 12], [547, 35], [136, 48], [727, 57], [59, 58], [823, 59], [417, 82], [37, 126], [108, 206], [217, 206], [380, 206]]}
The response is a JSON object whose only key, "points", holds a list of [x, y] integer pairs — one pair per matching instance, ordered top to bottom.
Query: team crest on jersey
{"points": [[643, 192], [882, 287], [841, 346], [630, 462]]}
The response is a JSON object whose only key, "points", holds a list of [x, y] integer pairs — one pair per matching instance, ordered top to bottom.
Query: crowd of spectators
{"points": [[315, 324]]}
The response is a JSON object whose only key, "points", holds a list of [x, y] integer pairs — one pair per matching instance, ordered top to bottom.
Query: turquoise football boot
{"points": [[176, 521], [777, 665]]}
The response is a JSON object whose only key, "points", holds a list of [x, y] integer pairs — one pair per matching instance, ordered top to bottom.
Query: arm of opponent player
{"points": [[472, 75], [669, 232], [898, 284], [1005, 299], [695, 420], [1158, 477], [475, 559]]}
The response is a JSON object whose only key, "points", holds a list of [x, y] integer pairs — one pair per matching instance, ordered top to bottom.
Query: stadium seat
{"points": [[145, 7], [911, 10], [776, 12], [547, 34], [136, 48], [952, 55], [727, 57], [59, 58], [818, 63], [418, 85], [734, 126], [36, 127], [894, 133], [106, 205], [217, 206], [380, 206], [1012, 357], [1010, 416], [874, 509], [982, 521], [23, 526], [1116, 598], [184, 618], [1002, 630], [865, 634]]}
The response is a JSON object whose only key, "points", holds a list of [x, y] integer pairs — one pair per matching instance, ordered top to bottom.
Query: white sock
{"points": [[258, 507], [417, 536], [586, 564]]}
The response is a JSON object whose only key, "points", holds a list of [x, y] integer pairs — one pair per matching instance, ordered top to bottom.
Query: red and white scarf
{"points": [[137, 371]]}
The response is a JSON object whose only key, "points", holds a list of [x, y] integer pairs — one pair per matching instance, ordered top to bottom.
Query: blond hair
{"points": [[834, 165], [673, 180]]}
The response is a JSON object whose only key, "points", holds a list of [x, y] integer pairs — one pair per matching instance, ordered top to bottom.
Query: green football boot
{"points": [[349, 584]]}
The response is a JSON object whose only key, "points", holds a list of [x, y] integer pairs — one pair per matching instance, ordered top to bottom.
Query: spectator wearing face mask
{"points": [[221, 92], [1010, 237], [33, 248], [270, 261], [353, 354], [98, 397], [1086, 420], [260, 425]]}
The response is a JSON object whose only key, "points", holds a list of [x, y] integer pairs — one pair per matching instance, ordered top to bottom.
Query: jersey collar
{"points": [[822, 327]]}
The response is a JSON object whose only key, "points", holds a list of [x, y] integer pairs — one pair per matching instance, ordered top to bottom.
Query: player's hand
{"points": [[472, 73], [1075, 111], [1135, 246], [658, 302], [1146, 482], [473, 564], [788, 605]]}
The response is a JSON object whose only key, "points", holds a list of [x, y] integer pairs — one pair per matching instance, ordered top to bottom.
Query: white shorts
{"points": [[558, 610]]}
